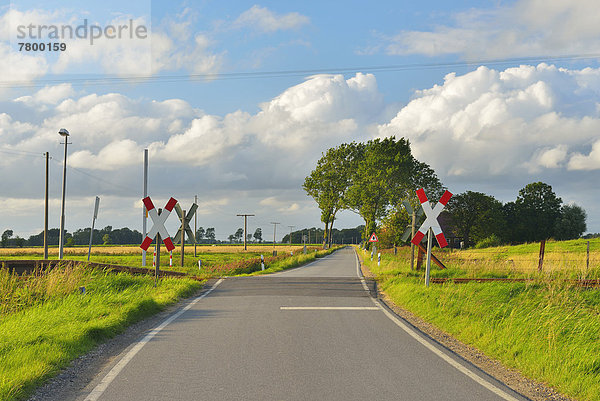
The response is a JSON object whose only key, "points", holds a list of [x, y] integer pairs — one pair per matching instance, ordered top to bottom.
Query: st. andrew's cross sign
{"points": [[431, 220], [159, 223], [185, 223]]}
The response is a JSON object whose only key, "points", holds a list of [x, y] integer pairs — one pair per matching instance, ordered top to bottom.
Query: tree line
{"points": [[374, 178]]}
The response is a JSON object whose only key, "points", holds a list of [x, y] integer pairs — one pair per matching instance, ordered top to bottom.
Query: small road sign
{"points": [[431, 220], [159, 223], [373, 238]]}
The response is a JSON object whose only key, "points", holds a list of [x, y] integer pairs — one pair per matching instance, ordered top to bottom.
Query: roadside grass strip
{"points": [[46, 321], [547, 329]]}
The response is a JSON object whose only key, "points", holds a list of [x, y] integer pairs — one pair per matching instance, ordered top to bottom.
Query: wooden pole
{"points": [[46, 211], [182, 237], [542, 249], [587, 260], [428, 265]]}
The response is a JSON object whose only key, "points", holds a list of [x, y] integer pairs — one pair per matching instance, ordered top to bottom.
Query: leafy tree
{"points": [[387, 173], [328, 183], [536, 209], [476, 216], [571, 223], [392, 227], [200, 234], [210, 234], [239, 234], [258, 234], [5, 237], [231, 238], [106, 239], [70, 241], [19, 242]]}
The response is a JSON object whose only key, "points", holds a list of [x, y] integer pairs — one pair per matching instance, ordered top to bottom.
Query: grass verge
{"points": [[47, 323], [546, 329]]}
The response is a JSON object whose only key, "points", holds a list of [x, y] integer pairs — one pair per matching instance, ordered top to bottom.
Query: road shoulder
{"points": [[531, 389]]}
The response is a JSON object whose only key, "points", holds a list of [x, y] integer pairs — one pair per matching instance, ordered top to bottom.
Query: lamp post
{"points": [[65, 134]]}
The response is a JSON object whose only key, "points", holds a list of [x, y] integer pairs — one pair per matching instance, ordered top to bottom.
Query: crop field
{"points": [[211, 256], [547, 328]]}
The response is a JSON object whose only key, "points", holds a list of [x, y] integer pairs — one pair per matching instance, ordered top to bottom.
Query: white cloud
{"points": [[265, 20], [521, 29], [490, 122], [590, 162]]}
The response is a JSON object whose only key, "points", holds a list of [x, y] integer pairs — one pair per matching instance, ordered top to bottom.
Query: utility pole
{"points": [[65, 134], [46, 210], [145, 217], [195, 225], [245, 227], [291, 228], [274, 231]]}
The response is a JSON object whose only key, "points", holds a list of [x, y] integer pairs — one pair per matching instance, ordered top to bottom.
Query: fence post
{"points": [[542, 249], [587, 260]]}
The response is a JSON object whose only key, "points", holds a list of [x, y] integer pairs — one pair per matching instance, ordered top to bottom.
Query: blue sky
{"points": [[244, 144]]}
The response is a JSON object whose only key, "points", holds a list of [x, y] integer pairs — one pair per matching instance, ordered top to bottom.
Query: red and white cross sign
{"points": [[431, 220], [159, 223]]}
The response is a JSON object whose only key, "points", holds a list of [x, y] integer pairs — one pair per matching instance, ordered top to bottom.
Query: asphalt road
{"points": [[312, 333]]}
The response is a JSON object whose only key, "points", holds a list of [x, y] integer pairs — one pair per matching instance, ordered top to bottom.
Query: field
{"points": [[211, 256], [547, 328]]}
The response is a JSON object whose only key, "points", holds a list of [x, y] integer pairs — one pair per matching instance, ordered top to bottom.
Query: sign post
{"points": [[93, 221], [431, 225]]}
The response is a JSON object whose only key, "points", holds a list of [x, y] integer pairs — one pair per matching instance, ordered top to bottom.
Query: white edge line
{"points": [[461, 368], [110, 376]]}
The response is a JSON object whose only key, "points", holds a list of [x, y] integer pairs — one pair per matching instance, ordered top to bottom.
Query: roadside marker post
{"points": [[431, 226], [171, 259], [379, 259], [262, 262], [200, 264]]}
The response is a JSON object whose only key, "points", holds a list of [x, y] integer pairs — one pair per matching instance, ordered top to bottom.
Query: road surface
{"points": [[312, 333]]}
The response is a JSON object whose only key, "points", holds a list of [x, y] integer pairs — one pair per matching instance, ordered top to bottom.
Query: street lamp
{"points": [[65, 134]]}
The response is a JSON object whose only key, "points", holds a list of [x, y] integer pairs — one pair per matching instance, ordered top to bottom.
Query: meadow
{"points": [[547, 328]]}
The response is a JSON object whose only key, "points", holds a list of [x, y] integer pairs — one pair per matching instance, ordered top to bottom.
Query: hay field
{"points": [[135, 250]]}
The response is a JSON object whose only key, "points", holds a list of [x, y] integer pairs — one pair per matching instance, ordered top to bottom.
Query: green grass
{"points": [[46, 322], [547, 329]]}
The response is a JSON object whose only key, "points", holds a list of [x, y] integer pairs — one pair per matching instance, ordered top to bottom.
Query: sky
{"points": [[236, 101]]}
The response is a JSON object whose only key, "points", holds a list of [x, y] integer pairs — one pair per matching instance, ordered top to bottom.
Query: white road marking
{"points": [[329, 308], [463, 369], [110, 376]]}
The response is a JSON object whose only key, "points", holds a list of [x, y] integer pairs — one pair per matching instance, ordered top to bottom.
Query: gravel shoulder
{"points": [[531, 389]]}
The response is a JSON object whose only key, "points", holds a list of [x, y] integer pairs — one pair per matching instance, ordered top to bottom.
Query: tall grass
{"points": [[46, 322], [547, 329]]}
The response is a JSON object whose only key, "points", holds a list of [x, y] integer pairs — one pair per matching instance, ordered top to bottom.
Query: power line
{"points": [[140, 79]]}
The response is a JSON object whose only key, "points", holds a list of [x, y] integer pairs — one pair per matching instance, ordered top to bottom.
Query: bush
{"points": [[492, 240]]}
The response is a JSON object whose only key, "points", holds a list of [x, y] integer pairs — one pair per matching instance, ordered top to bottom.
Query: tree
{"points": [[386, 173], [328, 183], [536, 209], [476, 216], [571, 223], [392, 227], [200, 234], [210, 234], [239, 234], [258, 235], [5, 237], [231, 238], [106, 239], [19, 242]]}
